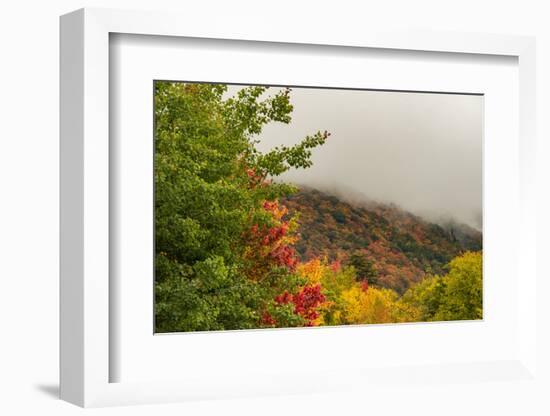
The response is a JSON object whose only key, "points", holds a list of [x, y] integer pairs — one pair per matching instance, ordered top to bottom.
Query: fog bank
{"points": [[420, 151]]}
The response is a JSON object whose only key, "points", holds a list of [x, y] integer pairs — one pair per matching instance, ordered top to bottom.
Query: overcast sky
{"points": [[420, 151]]}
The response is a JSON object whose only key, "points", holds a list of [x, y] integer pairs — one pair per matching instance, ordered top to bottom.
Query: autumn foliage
{"points": [[271, 245], [389, 247], [237, 249], [306, 302]]}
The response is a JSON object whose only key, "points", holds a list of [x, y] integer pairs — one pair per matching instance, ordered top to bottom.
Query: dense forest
{"points": [[238, 248], [401, 248]]}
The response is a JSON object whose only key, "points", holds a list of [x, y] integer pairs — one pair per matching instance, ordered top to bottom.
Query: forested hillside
{"points": [[397, 247], [237, 248]]}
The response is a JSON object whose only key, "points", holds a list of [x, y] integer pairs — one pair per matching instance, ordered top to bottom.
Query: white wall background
{"points": [[29, 205]]}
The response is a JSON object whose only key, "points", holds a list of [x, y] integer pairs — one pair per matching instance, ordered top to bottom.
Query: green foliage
{"points": [[210, 186], [339, 216], [224, 244], [364, 267], [336, 283], [464, 289], [207, 296], [455, 296], [426, 297]]}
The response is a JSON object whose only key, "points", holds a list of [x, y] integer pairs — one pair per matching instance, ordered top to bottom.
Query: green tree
{"points": [[211, 184], [364, 268], [463, 289], [455, 296], [425, 298]]}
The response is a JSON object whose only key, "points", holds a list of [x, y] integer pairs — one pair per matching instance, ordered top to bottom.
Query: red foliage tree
{"points": [[271, 246], [306, 302]]}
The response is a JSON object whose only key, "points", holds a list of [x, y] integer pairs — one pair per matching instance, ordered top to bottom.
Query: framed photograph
{"points": [[286, 213], [357, 224]]}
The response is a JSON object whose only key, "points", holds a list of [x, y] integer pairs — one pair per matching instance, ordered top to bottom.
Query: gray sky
{"points": [[422, 152]]}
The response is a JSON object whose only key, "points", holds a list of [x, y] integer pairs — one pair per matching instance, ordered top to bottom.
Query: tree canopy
{"points": [[216, 205], [225, 242]]}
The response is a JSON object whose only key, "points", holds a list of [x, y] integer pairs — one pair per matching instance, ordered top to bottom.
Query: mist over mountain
{"points": [[420, 151], [360, 199], [401, 247]]}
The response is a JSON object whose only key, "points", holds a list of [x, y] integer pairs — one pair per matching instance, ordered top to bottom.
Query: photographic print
{"points": [[279, 207]]}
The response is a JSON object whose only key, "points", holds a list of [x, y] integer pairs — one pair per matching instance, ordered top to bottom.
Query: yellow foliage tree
{"points": [[313, 270], [371, 306]]}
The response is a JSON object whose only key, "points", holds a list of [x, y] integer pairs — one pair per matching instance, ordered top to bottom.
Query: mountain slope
{"points": [[401, 247]]}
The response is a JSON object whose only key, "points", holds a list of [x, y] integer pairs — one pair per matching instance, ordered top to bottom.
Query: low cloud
{"points": [[420, 151]]}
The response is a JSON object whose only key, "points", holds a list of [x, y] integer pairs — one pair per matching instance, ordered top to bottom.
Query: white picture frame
{"points": [[85, 354]]}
